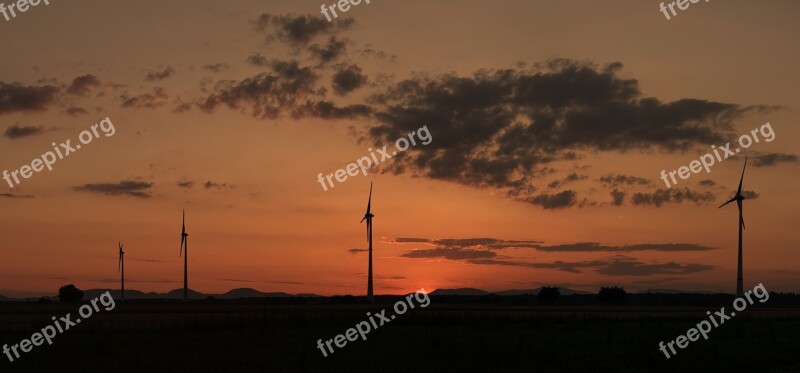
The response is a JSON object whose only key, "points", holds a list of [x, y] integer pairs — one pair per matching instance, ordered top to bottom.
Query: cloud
{"points": [[298, 30], [331, 51], [369, 52], [256, 59], [217, 67], [154, 76], [347, 79], [82, 85], [268, 94], [15, 97], [153, 100], [328, 110], [75, 111], [497, 127], [16, 131], [771, 159], [568, 179], [615, 180], [708, 182], [185, 184], [209, 184], [123, 188], [749, 194], [673, 195], [16, 196], [618, 196], [563, 199], [411, 239], [483, 243], [596, 247], [356, 251], [449, 253], [615, 267], [630, 267], [234, 280]]}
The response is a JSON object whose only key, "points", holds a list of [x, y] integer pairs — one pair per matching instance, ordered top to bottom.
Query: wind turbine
{"points": [[739, 198], [368, 217], [185, 252], [121, 268]]}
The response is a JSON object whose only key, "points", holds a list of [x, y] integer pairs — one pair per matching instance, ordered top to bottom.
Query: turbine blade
{"points": [[739, 191], [729, 201], [369, 202], [362, 219], [183, 222], [182, 240]]}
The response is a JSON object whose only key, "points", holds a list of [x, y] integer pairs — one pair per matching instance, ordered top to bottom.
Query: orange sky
{"points": [[264, 222]]}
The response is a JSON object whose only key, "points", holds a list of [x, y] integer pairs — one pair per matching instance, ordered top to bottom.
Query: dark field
{"points": [[201, 337]]}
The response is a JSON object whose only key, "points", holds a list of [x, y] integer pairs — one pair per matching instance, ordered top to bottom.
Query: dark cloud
{"points": [[298, 30], [329, 52], [369, 52], [256, 59], [216, 67], [155, 76], [347, 79], [82, 85], [268, 94], [15, 97], [152, 100], [328, 110], [75, 111], [496, 127], [16, 131], [771, 159], [568, 179], [615, 180], [708, 182], [186, 184], [210, 184], [123, 188], [749, 194], [673, 195], [16, 196], [618, 196], [563, 199], [406, 240], [483, 243], [596, 247], [356, 251], [449, 253], [618, 265], [630, 267]]}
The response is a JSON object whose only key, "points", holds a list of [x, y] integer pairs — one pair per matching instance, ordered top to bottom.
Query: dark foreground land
{"points": [[444, 337]]}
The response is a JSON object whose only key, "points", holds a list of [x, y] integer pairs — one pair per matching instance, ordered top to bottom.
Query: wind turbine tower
{"points": [[739, 198], [368, 217], [185, 252], [121, 268]]}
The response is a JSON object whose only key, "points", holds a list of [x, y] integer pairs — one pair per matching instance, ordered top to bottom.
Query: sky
{"points": [[549, 124]]}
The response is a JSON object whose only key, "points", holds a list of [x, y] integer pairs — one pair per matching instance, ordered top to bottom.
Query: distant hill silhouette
{"points": [[461, 291], [563, 291], [675, 291], [241, 293]]}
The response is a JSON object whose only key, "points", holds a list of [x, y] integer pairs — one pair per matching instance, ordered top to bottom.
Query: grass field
{"points": [[441, 338]]}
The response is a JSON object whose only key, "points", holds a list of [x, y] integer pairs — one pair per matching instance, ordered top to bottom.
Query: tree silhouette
{"points": [[70, 294], [548, 294], [614, 295]]}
